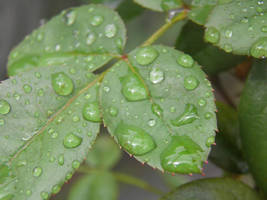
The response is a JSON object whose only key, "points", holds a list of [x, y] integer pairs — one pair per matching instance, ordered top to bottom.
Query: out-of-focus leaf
{"points": [[160, 5], [129, 10], [213, 59], [253, 126], [105, 153], [173, 181], [96, 186], [213, 189]]}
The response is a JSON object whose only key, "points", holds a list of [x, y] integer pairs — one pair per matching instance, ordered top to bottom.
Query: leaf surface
{"points": [[160, 5], [71, 38], [162, 109]]}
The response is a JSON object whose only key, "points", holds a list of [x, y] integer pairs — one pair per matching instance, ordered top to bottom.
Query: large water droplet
{"points": [[170, 4], [69, 17], [97, 20], [110, 30], [212, 35], [90, 38], [259, 48], [146, 55], [185, 61], [156, 75], [190, 82], [62, 84], [27, 88], [133, 89], [4, 107], [157, 110], [91, 112], [188, 116], [134, 139], [72, 141], [182, 155], [37, 171]]}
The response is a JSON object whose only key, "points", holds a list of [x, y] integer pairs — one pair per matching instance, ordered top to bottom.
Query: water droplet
{"points": [[167, 5], [69, 17], [97, 20], [244, 20], [264, 29], [110, 30], [228, 33], [212, 35], [40, 37], [91, 38], [58, 47], [228, 48], [259, 48], [146, 55], [185, 61], [37, 75], [156, 75], [190, 83], [62, 84], [27, 88], [106, 89], [133, 89], [40, 92], [16, 96], [202, 102], [4, 107], [172, 109], [157, 110], [113, 111], [91, 112], [208, 115], [187, 117], [75, 118], [2, 122], [151, 122], [134, 139], [72, 141], [210, 141], [182, 155], [61, 159], [76, 164], [37, 171], [68, 176], [56, 189], [28, 192], [44, 195]]}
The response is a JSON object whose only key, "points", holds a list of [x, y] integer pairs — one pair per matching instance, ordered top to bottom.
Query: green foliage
{"points": [[160, 5], [128, 10], [253, 117], [210, 189]]}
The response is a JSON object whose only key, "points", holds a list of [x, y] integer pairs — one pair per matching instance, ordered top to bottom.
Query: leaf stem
{"points": [[165, 27]]}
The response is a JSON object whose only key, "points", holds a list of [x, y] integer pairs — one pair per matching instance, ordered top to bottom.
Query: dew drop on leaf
{"points": [[69, 17], [97, 20], [264, 29], [110, 30], [228, 33], [212, 35], [90, 38], [228, 48], [259, 48], [146, 55], [185, 61], [156, 75], [190, 83], [62, 84], [27, 88], [133, 89], [202, 102], [4, 107], [157, 110], [113, 111], [91, 112], [208, 115], [187, 117], [75, 118], [2, 122], [151, 122], [134, 139], [72, 141], [210, 141], [182, 155], [61, 160], [76, 164], [37, 171], [56, 189], [28, 192], [44, 195]]}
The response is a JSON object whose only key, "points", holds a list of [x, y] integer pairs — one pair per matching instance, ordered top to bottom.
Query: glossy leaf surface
{"points": [[160, 5]]}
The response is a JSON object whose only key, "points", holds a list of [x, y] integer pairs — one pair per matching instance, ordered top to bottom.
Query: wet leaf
{"points": [[160, 5], [128, 10]]}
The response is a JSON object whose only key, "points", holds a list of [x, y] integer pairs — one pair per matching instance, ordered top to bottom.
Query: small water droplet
{"points": [[69, 17], [97, 20], [264, 29], [110, 30], [228, 33], [212, 35], [40, 37], [91, 38], [58, 47], [228, 48], [259, 48], [146, 55], [185, 61], [37, 75], [156, 75], [190, 82], [62, 84], [27, 88], [106, 89], [40, 92], [16, 96], [202, 102], [4, 107], [172, 109], [157, 110], [113, 111], [91, 112], [208, 115], [187, 117], [75, 118], [2, 122], [151, 122], [134, 139], [72, 141], [210, 141], [61, 160], [76, 164], [37, 171], [68, 176], [56, 189], [28, 192], [44, 195]]}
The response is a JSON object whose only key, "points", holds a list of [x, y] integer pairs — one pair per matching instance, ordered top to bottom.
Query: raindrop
{"points": [[69, 17], [97, 20], [264, 29], [110, 30], [228, 33], [212, 35], [40, 37], [91, 38], [58, 47], [228, 48], [259, 48], [146, 55], [185, 61], [37, 75], [156, 75], [190, 82], [62, 84], [27, 88], [106, 89], [40, 92], [16, 96], [202, 102], [4, 107], [172, 109], [157, 110], [113, 111], [91, 112], [208, 115], [187, 117], [75, 118], [2, 122], [151, 122], [134, 139], [72, 141], [210, 141], [61, 159], [76, 164], [37, 171], [56, 189], [28, 192], [44, 195]]}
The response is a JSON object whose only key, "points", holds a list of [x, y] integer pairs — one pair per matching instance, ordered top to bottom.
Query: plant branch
{"points": [[165, 27]]}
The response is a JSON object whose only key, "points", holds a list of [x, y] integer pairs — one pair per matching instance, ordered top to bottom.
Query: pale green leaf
{"points": [[160, 5]]}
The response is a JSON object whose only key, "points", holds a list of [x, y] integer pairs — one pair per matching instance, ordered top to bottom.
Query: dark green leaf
{"points": [[160, 5], [128, 10], [239, 27], [71, 38], [211, 58], [148, 92], [253, 126], [44, 136], [105, 153], [227, 153], [173, 181], [96, 186], [211, 189]]}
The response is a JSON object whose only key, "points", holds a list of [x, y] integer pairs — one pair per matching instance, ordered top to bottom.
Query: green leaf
{"points": [[160, 5], [129, 10], [239, 27], [71, 38], [210, 57], [148, 92], [253, 127], [44, 136], [105, 153], [227, 153], [173, 181], [96, 186], [211, 189]]}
